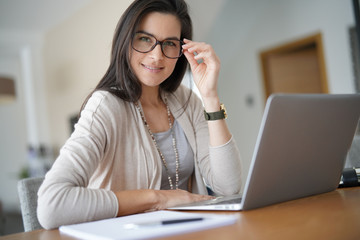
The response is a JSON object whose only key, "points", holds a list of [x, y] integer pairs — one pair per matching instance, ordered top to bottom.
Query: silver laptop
{"points": [[300, 150]]}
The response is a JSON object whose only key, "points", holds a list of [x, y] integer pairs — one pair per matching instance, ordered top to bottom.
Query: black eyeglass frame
{"points": [[157, 43]]}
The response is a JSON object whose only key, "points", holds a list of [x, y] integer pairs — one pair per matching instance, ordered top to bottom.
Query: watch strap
{"points": [[210, 116]]}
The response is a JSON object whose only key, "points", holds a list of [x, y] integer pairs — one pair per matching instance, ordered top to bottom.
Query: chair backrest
{"points": [[353, 158], [27, 189]]}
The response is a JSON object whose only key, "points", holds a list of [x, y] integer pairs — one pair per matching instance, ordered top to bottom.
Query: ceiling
{"points": [[36, 15], [42, 15]]}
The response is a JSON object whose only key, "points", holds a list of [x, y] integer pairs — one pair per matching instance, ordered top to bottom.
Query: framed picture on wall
{"points": [[355, 44], [355, 57]]}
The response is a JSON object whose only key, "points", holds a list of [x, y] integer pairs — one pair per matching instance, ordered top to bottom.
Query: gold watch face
{"points": [[222, 107]]}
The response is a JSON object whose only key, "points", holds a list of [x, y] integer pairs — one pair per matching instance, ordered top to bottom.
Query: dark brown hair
{"points": [[119, 78]]}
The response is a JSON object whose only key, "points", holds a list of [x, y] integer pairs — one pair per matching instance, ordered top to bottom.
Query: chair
{"points": [[353, 158], [27, 190], [2, 221]]}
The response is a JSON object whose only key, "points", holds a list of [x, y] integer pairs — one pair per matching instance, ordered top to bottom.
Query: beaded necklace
{"points": [[158, 149]]}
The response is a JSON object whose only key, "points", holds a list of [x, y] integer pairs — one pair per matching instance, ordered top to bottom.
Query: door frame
{"points": [[315, 40]]}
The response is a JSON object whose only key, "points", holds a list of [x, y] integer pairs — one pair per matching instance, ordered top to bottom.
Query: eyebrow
{"points": [[168, 38]]}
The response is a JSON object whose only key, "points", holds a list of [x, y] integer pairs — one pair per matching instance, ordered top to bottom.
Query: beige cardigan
{"points": [[111, 150]]}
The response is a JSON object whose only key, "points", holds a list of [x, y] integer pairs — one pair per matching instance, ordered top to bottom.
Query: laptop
{"points": [[300, 150]]}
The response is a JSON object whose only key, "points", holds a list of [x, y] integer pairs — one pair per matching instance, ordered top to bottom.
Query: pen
{"points": [[166, 222], [159, 223]]}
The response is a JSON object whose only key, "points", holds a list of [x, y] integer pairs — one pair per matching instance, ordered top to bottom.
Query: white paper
{"points": [[115, 228]]}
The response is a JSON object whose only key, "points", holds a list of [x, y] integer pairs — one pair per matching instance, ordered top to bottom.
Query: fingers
{"points": [[194, 46], [198, 48], [198, 52], [190, 57], [176, 197], [192, 197], [203, 197]]}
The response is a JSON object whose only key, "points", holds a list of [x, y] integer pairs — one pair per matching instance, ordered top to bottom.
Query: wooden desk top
{"points": [[333, 215]]}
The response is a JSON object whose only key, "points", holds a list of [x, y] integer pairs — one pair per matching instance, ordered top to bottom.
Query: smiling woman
{"points": [[149, 61], [142, 142]]}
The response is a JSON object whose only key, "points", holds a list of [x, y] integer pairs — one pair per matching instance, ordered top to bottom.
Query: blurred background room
{"points": [[53, 53]]}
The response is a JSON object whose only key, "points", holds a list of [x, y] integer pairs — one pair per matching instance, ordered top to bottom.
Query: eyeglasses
{"points": [[144, 43]]}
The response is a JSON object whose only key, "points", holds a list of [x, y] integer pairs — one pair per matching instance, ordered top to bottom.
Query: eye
{"points": [[144, 39], [171, 43]]}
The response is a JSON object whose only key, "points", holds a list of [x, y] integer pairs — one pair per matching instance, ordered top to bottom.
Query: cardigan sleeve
{"points": [[220, 166], [226, 168], [64, 197]]}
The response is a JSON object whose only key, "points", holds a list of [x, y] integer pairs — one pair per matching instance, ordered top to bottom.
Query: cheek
{"points": [[132, 58], [135, 59], [172, 64], [170, 67]]}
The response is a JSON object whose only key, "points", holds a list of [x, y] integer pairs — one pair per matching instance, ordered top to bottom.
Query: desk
{"points": [[333, 215]]}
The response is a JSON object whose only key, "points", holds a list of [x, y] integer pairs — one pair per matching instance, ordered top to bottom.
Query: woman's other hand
{"points": [[205, 67], [136, 201]]}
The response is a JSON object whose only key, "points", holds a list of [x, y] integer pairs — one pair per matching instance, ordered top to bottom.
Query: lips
{"points": [[152, 68]]}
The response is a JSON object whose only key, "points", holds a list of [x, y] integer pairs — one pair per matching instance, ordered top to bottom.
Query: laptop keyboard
{"points": [[224, 200]]}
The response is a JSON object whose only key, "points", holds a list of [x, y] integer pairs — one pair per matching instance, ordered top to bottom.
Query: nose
{"points": [[157, 53]]}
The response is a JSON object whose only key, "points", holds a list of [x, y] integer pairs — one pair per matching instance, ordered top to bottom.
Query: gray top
{"points": [[186, 156]]}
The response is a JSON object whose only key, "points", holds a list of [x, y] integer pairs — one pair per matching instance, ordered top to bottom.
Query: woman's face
{"points": [[153, 67]]}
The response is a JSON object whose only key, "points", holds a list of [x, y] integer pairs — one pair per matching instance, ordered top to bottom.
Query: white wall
{"points": [[245, 28], [77, 54], [24, 121], [12, 126]]}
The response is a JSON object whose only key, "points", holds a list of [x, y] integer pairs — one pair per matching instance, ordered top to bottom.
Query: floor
{"points": [[11, 223]]}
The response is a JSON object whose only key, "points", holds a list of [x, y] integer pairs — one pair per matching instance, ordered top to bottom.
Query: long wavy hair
{"points": [[120, 78]]}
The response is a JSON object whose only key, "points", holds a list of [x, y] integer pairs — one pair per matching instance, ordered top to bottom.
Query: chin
{"points": [[151, 83]]}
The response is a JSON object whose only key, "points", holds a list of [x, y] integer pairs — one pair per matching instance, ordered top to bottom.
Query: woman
{"points": [[142, 142]]}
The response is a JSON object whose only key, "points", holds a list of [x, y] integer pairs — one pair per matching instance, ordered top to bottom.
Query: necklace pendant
{"points": [[170, 183]]}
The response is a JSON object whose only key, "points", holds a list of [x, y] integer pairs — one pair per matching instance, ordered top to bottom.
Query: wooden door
{"points": [[296, 67]]}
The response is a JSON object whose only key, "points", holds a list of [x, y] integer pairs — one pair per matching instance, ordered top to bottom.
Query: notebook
{"points": [[300, 150], [150, 225]]}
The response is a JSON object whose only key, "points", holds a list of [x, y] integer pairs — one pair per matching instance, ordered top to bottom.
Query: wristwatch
{"points": [[216, 115]]}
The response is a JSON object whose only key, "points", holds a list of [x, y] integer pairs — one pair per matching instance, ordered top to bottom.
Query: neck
{"points": [[150, 96]]}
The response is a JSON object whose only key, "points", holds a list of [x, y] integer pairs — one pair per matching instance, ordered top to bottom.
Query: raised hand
{"points": [[205, 67]]}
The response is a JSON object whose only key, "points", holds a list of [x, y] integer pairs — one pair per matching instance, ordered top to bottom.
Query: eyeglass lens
{"points": [[144, 43]]}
